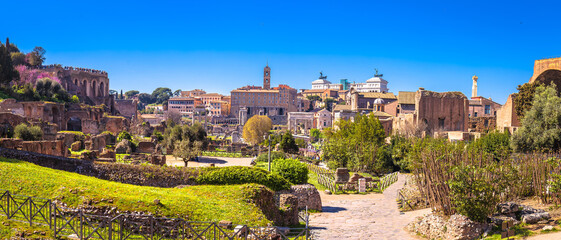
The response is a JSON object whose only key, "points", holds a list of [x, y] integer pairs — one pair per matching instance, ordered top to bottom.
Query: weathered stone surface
{"points": [[12, 143], [76, 146], [123, 147], [145, 147], [54, 148], [107, 153], [157, 159], [342, 175], [355, 178], [308, 196], [288, 204], [508, 208], [535, 217], [498, 220], [225, 224], [437, 227]]}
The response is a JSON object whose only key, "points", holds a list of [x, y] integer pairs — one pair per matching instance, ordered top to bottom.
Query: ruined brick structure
{"points": [[546, 71], [83, 82], [446, 111], [434, 112]]}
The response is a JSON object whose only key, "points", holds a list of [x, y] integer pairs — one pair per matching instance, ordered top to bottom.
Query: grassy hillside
{"points": [[196, 203]]}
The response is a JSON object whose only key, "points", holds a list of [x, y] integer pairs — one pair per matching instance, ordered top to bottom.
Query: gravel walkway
{"points": [[371, 216]]}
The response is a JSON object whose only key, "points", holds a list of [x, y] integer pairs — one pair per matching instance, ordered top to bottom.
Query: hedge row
{"points": [[242, 175]]}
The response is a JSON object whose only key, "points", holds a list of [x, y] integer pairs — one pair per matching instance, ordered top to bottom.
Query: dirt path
{"points": [[206, 161], [372, 216]]}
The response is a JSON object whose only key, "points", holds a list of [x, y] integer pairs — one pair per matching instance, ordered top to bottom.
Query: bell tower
{"points": [[267, 77]]}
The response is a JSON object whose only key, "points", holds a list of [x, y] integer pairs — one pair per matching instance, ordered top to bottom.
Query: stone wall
{"points": [[127, 108], [447, 111], [506, 116], [115, 124], [145, 147], [55, 148], [308, 196]]}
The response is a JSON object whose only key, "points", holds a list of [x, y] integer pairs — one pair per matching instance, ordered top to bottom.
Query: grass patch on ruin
{"points": [[196, 203], [9, 229]]}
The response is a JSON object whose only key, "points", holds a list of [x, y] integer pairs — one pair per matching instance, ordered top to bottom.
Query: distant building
{"points": [[322, 83], [374, 84], [193, 93], [273, 102], [303, 122]]}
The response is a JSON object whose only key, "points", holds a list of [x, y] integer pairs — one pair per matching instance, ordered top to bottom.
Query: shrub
{"points": [[75, 99], [26, 133], [124, 135], [158, 135], [78, 136], [264, 157], [292, 170], [242, 175], [471, 193]]}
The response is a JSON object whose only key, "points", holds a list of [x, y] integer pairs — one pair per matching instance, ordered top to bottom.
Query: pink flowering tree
{"points": [[31, 75]]}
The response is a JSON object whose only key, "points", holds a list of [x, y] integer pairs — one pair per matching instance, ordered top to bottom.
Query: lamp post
{"points": [[269, 152]]}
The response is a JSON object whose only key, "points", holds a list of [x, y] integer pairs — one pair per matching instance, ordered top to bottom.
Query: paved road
{"points": [[206, 161], [372, 216]]}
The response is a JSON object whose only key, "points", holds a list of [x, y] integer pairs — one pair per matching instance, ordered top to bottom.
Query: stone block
{"points": [[145, 147], [342, 175]]}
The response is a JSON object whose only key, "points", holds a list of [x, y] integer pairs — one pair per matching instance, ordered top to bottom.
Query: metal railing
{"points": [[75, 223]]}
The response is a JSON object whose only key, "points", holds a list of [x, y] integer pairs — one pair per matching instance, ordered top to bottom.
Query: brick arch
{"points": [[543, 69]]}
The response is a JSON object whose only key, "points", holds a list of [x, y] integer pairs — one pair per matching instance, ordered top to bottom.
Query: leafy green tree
{"points": [[36, 57], [18, 58], [7, 71], [51, 90], [113, 92], [177, 93], [130, 94], [162, 94], [314, 98], [524, 98], [329, 103], [541, 125], [256, 128], [26, 133], [315, 134], [186, 141], [288, 144], [354, 144], [495, 144], [400, 148]]}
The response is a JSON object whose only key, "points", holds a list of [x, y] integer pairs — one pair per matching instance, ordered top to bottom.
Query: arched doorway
{"points": [[94, 88], [101, 90], [56, 116], [74, 124]]}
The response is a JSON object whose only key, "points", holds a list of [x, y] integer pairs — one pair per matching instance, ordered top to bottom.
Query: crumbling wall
{"points": [[127, 108], [447, 111]]}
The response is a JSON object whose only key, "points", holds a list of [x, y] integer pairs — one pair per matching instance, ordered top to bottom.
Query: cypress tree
{"points": [[7, 71]]}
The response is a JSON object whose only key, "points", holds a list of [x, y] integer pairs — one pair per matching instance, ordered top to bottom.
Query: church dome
{"points": [[379, 101]]}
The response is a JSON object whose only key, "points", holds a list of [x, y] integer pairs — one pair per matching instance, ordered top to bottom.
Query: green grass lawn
{"points": [[196, 203], [9, 229]]}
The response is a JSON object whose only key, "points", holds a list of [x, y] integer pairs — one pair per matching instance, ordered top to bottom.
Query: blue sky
{"points": [[221, 45]]}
